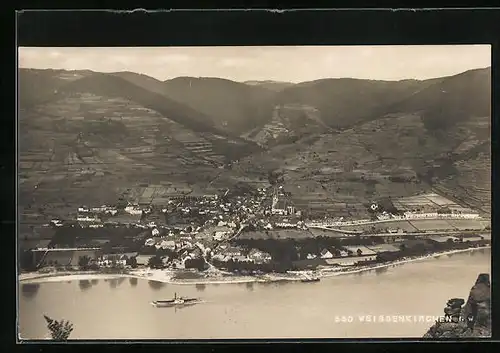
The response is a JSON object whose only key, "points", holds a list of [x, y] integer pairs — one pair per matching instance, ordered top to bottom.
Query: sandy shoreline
{"points": [[168, 276]]}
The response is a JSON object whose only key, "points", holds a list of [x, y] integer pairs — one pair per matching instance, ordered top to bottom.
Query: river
{"points": [[120, 308]]}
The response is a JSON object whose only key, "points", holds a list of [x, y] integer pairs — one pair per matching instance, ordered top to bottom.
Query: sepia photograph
{"points": [[254, 192]]}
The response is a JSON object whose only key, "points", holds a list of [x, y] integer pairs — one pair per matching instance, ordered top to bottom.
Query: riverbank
{"points": [[222, 277]]}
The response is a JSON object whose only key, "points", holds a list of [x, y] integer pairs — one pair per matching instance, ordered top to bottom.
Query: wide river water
{"points": [[120, 308]]}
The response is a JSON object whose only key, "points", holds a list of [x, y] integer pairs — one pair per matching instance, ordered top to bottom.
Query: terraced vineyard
{"points": [[288, 122], [105, 133], [83, 140], [472, 183]]}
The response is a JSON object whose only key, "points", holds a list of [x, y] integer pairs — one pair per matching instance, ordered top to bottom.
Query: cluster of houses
{"points": [[215, 205], [135, 209], [95, 214], [410, 215], [436, 215], [281, 224], [193, 237], [229, 253], [355, 253]]}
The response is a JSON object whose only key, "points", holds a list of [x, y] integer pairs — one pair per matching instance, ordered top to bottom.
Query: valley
{"points": [[339, 144]]}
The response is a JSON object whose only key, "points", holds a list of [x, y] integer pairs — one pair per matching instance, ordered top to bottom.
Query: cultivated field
{"points": [[427, 224], [462, 224], [382, 227], [326, 233], [276, 234]]}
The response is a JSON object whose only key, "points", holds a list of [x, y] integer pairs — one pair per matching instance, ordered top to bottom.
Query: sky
{"points": [[285, 63]]}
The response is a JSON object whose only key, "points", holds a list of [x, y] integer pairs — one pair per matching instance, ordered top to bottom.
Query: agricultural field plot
{"points": [[115, 159], [472, 183], [176, 189], [148, 193], [415, 200], [439, 200], [160, 201], [426, 202], [463, 224], [485, 224], [427, 225], [382, 227], [316, 232], [277, 234]]}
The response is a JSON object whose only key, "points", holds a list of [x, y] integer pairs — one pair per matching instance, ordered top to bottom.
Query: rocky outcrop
{"points": [[471, 320]]}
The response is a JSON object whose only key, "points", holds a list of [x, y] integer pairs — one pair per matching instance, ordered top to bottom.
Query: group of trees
{"points": [[275, 177], [283, 250], [156, 262], [86, 263], [198, 264], [236, 266], [59, 330]]}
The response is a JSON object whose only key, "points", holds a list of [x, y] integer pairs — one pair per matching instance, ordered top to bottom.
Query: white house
{"points": [[133, 209], [111, 210], [88, 219], [56, 222], [286, 225], [155, 232], [220, 235], [472, 238], [166, 244], [360, 249], [232, 251], [325, 254], [259, 256], [220, 257], [241, 258]]}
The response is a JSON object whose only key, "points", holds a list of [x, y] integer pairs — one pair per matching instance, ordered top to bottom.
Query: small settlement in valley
{"points": [[252, 232]]}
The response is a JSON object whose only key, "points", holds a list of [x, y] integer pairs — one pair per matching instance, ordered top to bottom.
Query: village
{"points": [[248, 232]]}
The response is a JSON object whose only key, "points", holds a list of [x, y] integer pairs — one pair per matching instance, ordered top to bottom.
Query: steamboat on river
{"points": [[176, 302]]}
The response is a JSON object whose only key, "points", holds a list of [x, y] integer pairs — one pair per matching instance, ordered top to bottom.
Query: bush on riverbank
{"points": [[408, 249], [291, 250], [250, 267], [179, 275]]}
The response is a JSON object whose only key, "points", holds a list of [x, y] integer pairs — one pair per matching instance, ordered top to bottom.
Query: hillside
{"points": [[147, 82], [37, 85], [276, 86], [450, 100], [343, 102], [331, 104], [231, 105], [288, 124], [105, 134], [338, 141], [351, 165]]}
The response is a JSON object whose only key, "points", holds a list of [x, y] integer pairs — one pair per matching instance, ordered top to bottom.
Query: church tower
{"points": [[275, 199]]}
